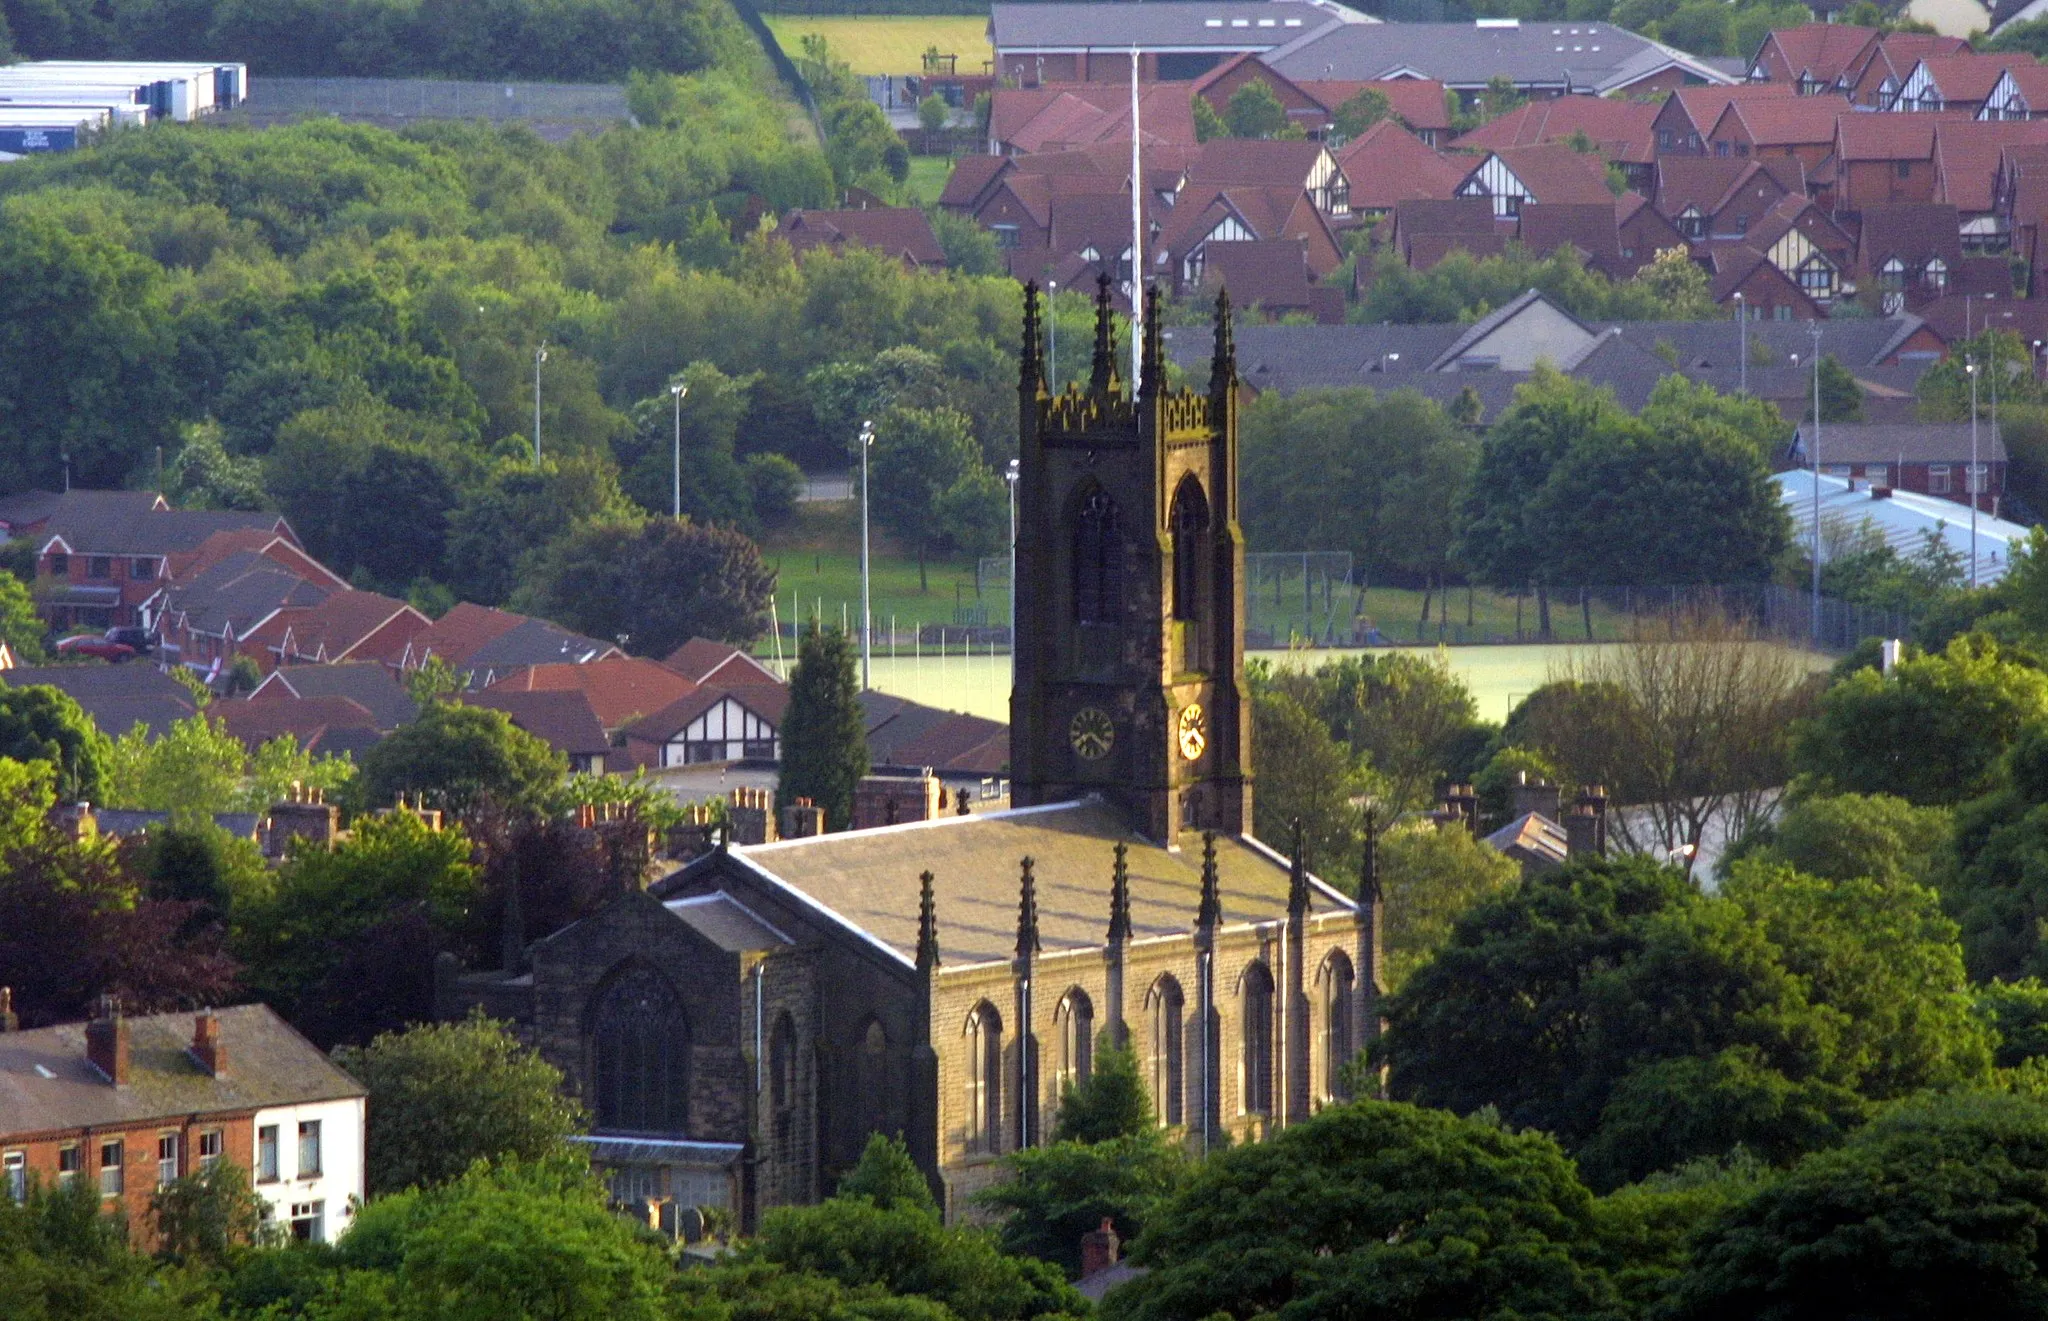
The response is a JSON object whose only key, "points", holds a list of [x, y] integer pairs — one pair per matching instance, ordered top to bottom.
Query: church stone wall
{"points": [[787, 1140]]}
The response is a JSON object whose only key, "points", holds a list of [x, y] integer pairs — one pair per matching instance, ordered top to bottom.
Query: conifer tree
{"points": [[824, 733]]}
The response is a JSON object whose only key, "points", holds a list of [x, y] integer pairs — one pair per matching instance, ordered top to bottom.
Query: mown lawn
{"points": [[889, 43]]}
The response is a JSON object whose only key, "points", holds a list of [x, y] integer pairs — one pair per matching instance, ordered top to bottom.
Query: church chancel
{"points": [[739, 1030]]}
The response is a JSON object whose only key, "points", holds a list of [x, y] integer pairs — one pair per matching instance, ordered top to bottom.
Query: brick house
{"points": [[1813, 58], [1952, 82], [1876, 85], [2021, 92], [1687, 118], [1800, 128], [1622, 133], [1883, 160], [1387, 164], [1513, 177], [1909, 253], [1929, 458], [102, 555], [717, 722], [742, 1028], [131, 1103]]}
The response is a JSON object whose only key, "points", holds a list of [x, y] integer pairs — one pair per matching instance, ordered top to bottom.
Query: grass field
{"points": [[889, 43], [928, 175]]}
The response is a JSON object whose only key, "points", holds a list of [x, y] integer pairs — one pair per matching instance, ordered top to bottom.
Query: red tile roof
{"points": [[1825, 50], [1970, 78], [1419, 102], [1703, 105], [1781, 121], [1622, 130], [1888, 137], [1966, 155], [1246, 161], [1387, 165], [1557, 175], [970, 178], [904, 233], [333, 629], [460, 632], [700, 659], [619, 687], [765, 700], [563, 718], [307, 719]]}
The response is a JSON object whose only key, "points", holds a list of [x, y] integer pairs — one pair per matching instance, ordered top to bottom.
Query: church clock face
{"points": [[1193, 732], [1091, 733]]}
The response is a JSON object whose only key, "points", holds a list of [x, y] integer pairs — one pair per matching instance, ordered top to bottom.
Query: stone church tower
{"points": [[1130, 589]]}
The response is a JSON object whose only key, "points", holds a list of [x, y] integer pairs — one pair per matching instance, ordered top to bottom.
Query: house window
{"points": [[1664, 139], [1904, 169], [1692, 224], [1741, 225], [1006, 235], [1892, 275], [1935, 276], [1816, 277], [1782, 313], [1878, 473], [1976, 473], [1937, 479], [1098, 561], [60, 566], [99, 566], [143, 567], [763, 749], [1339, 989], [1256, 1005], [1163, 1006], [1074, 1020], [640, 1055], [984, 1079], [210, 1147], [309, 1148], [266, 1154], [166, 1159], [69, 1161], [112, 1169], [14, 1173], [309, 1222]]}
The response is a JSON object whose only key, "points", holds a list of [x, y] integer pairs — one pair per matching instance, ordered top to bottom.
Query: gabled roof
{"points": [[1219, 24], [1825, 51], [1567, 55], [1968, 77], [2031, 80], [1417, 102], [1702, 106], [1781, 121], [1621, 130], [1886, 137], [1966, 157], [1251, 162], [1387, 165], [1554, 174], [970, 180], [1709, 184], [1587, 227], [1911, 231], [901, 232], [1272, 274], [1493, 321], [1910, 442], [128, 522], [267, 542], [234, 596], [338, 628], [475, 637], [703, 659], [370, 684], [619, 687], [117, 697], [766, 700], [562, 717], [310, 721], [906, 733], [863, 878], [47, 1084]]}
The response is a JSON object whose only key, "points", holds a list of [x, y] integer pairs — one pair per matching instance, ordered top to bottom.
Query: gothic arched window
{"points": [[1190, 529], [1098, 561], [1257, 1003], [1163, 1005], [1074, 1019], [1340, 1039], [640, 1055], [984, 1078]]}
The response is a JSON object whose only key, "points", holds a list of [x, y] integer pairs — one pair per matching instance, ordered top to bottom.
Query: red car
{"points": [[97, 646]]}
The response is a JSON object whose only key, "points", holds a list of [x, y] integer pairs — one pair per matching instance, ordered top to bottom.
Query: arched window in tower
{"points": [[1190, 538], [1098, 560], [1256, 1003], [1163, 1007], [1074, 1019], [1340, 1038], [639, 1046], [782, 1064], [984, 1078]]}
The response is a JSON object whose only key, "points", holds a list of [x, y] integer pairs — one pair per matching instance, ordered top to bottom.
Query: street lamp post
{"points": [[1815, 330], [1052, 332], [1742, 342], [540, 355], [681, 392], [867, 440], [1010, 476], [1970, 478]]}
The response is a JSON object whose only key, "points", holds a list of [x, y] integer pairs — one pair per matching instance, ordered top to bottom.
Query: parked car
{"points": [[138, 638], [98, 645]]}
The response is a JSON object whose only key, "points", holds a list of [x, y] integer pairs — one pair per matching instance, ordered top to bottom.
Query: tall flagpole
{"points": [[1137, 241]]}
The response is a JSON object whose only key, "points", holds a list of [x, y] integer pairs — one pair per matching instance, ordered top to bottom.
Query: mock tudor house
{"points": [[740, 1029], [129, 1104]]}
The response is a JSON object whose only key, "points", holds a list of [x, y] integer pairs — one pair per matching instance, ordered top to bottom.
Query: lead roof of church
{"points": [[869, 879]]}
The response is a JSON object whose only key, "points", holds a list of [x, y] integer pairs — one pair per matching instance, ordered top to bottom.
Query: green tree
{"points": [[1364, 109], [1255, 111], [932, 113], [1209, 125], [857, 140], [969, 249], [1841, 398], [920, 456], [205, 476], [504, 522], [658, 582], [21, 629], [1407, 718], [40, 723], [1931, 732], [824, 734], [457, 756], [1308, 776], [1842, 837], [200, 863], [1430, 878], [2017, 1013], [444, 1095], [1110, 1103], [887, 1176], [1060, 1191], [1934, 1201], [1374, 1208], [207, 1215], [62, 1257]]}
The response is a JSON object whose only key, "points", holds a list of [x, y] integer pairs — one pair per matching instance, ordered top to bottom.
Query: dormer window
{"points": [[1892, 275], [1935, 276]]}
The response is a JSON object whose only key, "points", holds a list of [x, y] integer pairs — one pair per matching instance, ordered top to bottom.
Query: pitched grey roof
{"points": [[1230, 25], [1585, 57], [1485, 326], [1854, 343], [1916, 442], [126, 522], [240, 592], [534, 642], [370, 683], [117, 697], [121, 822], [46, 1083]]}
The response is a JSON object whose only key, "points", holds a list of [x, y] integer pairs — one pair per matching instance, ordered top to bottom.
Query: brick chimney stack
{"points": [[305, 814], [802, 819], [9, 1020], [106, 1042], [207, 1047], [1099, 1249]]}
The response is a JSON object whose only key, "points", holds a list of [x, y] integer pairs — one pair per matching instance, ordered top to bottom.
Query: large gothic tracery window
{"points": [[1190, 526], [1098, 561], [1257, 1003], [1163, 1006], [1075, 1019], [1340, 1039], [640, 1056], [984, 1079]]}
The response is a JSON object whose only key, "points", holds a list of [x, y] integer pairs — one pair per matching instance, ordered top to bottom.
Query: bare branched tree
{"points": [[1688, 724]]}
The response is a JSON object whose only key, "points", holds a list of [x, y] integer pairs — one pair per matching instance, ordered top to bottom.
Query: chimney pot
{"points": [[207, 1046]]}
